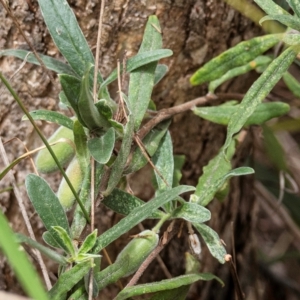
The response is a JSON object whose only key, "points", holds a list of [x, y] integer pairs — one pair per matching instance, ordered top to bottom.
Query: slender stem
{"points": [[19, 101], [161, 222]]}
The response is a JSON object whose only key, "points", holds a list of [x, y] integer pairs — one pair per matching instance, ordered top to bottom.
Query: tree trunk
{"points": [[196, 31]]}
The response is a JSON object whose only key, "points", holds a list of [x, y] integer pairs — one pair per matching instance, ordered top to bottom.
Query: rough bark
{"points": [[196, 31]]}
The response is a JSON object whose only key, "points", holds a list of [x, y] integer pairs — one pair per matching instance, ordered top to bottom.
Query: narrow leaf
{"points": [[295, 5], [270, 7], [287, 20], [66, 33], [236, 56], [137, 61], [257, 62], [51, 63], [160, 71], [142, 79], [292, 83], [259, 90], [87, 109], [221, 114], [51, 116], [151, 143], [101, 148], [82, 153], [121, 160], [164, 163], [217, 167], [123, 203], [46, 205], [192, 212], [138, 215], [50, 240], [66, 240], [212, 241], [88, 242], [53, 255], [23, 268], [67, 280], [167, 284]]}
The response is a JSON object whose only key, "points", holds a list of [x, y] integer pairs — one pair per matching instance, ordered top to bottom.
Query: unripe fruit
{"points": [[63, 151], [64, 192], [137, 250], [130, 258]]}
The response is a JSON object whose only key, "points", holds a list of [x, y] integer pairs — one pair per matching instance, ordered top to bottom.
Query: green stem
{"points": [[19, 101], [161, 222]]}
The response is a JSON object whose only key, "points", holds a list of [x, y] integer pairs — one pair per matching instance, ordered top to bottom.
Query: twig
{"points": [[170, 112], [271, 202], [25, 216], [168, 235], [237, 285]]}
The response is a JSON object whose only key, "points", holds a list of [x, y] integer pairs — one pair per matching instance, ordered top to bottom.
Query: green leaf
{"points": [[295, 5], [270, 7], [287, 20], [66, 33], [291, 38], [236, 56], [137, 61], [259, 61], [51, 63], [160, 71], [142, 79], [292, 83], [71, 88], [258, 91], [88, 111], [221, 114], [51, 116], [151, 143], [101, 148], [82, 153], [121, 160], [179, 161], [164, 163], [217, 167], [217, 184], [123, 203], [47, 205], [192, 212], [137, 215], [64, 236], [50, 240], [212, 241], [88, 242], [53, 255], [23, 268], [67, 280], [167, 284], [174, 294]]}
